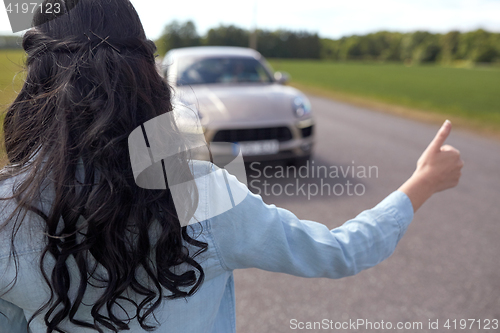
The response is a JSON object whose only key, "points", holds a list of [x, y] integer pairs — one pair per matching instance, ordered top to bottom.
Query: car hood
{"points": [[242, 103]]}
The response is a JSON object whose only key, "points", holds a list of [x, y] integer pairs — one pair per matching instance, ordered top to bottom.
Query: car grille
{"points": [[307, 131], [253, 134]]}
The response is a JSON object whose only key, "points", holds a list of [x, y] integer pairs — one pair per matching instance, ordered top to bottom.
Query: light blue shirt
{"points": [[251, 234]]}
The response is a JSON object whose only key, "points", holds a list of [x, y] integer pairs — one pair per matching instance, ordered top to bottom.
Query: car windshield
{"points": [[221, 70]]}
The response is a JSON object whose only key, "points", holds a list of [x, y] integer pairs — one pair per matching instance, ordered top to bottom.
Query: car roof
{"points": [[214, 51]]}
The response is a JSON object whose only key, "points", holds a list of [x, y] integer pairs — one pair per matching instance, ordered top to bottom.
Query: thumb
{"points": [[440, 138]]}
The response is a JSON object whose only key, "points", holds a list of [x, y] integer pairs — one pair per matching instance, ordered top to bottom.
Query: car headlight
{"points": [[301, 106]]}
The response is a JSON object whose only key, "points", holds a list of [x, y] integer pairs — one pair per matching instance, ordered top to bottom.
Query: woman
{"points": [[83, 248]]}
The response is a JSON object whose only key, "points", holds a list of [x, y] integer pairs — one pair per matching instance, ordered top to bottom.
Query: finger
{"points": [[440, 138], [449, 148], [450, 155]]}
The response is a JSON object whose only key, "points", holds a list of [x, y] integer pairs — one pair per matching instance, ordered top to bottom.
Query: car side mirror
{"points": [[281, 77]]}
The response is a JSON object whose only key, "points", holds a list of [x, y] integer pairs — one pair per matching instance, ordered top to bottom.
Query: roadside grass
{"points": [[11, 63], [11, 80], [469, 97]]}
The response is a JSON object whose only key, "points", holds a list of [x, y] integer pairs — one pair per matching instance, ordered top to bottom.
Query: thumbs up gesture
{"points": [[440, 164], [438, 168]]}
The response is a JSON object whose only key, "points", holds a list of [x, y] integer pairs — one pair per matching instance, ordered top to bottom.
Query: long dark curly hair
{"points": [[91, 80]]}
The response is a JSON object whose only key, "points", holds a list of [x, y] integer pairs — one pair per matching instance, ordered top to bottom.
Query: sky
{"points": [[328, 18]]}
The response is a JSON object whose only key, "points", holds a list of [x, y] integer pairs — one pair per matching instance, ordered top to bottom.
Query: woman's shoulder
{"points": [[8, 182], [26, 225]]}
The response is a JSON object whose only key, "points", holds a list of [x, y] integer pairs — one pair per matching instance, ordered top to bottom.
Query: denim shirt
{"points": [[250, 234]]}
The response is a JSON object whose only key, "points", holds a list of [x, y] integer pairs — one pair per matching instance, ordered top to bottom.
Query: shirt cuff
{"points": [[399, 204]]}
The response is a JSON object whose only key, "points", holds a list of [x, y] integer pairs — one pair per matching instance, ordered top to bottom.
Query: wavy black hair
{"points": [[91, 80]]}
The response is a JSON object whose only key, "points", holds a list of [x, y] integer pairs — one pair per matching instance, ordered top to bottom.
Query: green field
{"points": [[11, 62], [11, 77], [11, 80], [467, 94]]}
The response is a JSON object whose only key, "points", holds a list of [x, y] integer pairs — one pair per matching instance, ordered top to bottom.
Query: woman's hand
{"points": [[438, 168]]}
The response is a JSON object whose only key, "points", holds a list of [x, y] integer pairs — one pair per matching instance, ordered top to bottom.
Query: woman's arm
{"points": [[438, 168], [254, 234]]}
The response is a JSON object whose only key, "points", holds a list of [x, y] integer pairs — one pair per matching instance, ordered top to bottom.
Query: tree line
{"points": [[10, 42], [273, 44], [477, 46]]}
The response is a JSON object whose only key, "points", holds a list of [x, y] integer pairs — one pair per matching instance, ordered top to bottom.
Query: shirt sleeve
{"points": [[254, 234], [12, 318]]}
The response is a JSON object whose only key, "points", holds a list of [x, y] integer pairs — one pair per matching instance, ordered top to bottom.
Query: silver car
{"points": [[239, 99]]}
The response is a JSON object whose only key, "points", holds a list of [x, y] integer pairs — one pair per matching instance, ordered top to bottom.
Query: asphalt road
{"points": [[446, 266]]}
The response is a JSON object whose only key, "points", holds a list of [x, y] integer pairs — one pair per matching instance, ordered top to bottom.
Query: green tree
{"points": [[176, 35], [227, 36], [10, 42], [411, 42], [289, 44], [302, 45], [449, 46], [479, 46], [350, 48], [329, 49], [483, 49], [393, 50], [428, 50]]}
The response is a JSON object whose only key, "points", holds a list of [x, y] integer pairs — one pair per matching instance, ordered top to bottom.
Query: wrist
{"points": [[418, 189]]}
